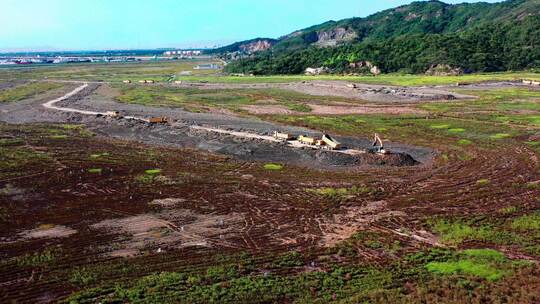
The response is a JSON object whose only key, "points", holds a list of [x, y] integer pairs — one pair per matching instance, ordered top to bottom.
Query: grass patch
{"points": [[27, 91], [440, 127], [456, 130], [58, 136], [500, 136], [11, 141], [464, 142], [99, 155], [273, 167], [95, 170], [153, 171], [483, 182], [340, 192], [509, 210], [527, 222], [455, 233], [38, 259], [488, 264], [81, 277]]}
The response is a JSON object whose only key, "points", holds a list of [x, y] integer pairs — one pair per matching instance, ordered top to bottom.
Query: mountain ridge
{"points": [[428, 23]]}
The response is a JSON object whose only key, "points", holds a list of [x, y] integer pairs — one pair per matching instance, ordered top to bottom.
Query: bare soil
{"points": [[366, 92]]}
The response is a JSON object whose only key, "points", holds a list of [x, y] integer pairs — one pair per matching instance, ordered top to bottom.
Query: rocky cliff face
{"points": [[335, 36], [256, 46]]}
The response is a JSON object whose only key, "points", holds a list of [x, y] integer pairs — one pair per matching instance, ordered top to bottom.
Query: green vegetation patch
{"points": [[27, 91], [443, 126], [456, 130], [58, 136], [500, 136], [11, 141], [464, 142], [274, 167], [95, 170], [153, 171], [483, 182], [340, 192], [527, 222], [455, 233], [36, 259], [484, 263], [82, 277]]}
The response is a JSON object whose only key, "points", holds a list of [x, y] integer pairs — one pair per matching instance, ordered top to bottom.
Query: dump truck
{"points": [[127, 81], [142, 81], [149, 81], [352, 85], [157, 120], [282, 136], [307, 140], [331, 142]]}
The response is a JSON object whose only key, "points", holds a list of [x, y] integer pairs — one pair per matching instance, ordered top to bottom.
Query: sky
{"points": [[135, 24]]}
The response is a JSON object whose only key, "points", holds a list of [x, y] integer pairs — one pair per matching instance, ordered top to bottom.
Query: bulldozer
{"points": [[378, 145]]}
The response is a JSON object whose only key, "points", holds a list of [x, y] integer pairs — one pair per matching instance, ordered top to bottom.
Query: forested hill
{"points": [[411, 38]]}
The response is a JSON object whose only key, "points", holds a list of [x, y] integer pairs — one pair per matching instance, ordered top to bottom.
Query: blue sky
{"points": [[113, 24]]}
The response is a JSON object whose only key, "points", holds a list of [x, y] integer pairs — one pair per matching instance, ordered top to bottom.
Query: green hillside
{"points": [[411, 38]]}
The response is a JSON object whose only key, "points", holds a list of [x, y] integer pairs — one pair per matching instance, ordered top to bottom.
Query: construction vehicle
{"points": [[127, 81], [142, 81], [149, 81], [531, 82], [352, 86], [112, 113], [158, 120], [282, 136], [307, 140], [331, 143], [378, 145]]}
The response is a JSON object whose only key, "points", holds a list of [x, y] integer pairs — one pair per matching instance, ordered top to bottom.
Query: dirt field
{"points": [[367, 92], [180, 135], [98, 209]]}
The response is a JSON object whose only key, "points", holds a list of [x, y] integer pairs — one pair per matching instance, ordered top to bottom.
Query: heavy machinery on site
{"points": [[531, 82], [112, 114], [158, 120], [282, 136], [308, 140], [326, 142], [331, 142], [377, 146]]}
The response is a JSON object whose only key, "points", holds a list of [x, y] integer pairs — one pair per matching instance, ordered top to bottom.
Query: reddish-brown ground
{"points": [[201, 204]]}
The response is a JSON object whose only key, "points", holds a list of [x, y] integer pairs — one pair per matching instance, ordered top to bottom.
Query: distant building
{"points": [[182, 53], [212, 66]]}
